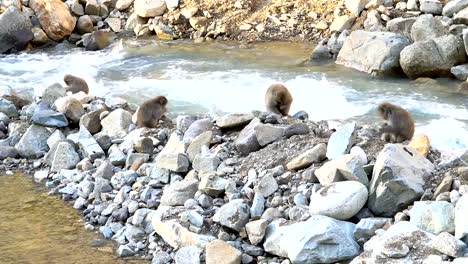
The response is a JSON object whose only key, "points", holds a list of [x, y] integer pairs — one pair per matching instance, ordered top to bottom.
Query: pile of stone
{"points": [[419, 38], [177, 194]]}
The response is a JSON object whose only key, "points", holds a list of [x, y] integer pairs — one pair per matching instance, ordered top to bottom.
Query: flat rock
{"points": [[8, 108], [49, 118], [234, 120], [267, 134], [341, 141], [198, 142], [316, 154], [347, 167], [339, 200], [220, 252]]}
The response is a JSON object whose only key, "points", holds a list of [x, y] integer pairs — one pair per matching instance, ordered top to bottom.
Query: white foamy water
{"points": [[225, 77]]}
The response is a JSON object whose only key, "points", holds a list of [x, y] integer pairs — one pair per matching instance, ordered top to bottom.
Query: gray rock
{"points": [[412, 5], [355, 6], [431, 6], [454, 7], [76, 8], [92, 8], [149, 8], [373, 21], [114, 23], [342, 23], [84, 25], [401, 25], [427, 27], [457, 29], [15, 30], [465, 39], [97, 40], [372, 52], [321, 53], [432, 58], [460, 72], [52, 93], [70, 107], [8, 108], [49, 118], [234, 120], [91, 121], [184, 121], [116, 124], [197, 128], [296, 129], [267, 134], [246, 141], [341, 141], [198, 142], [33, 143], [88, 145], [144, 145], [8, 152], [316, 154], [65, 157], [117, 157], [132, 157], [206, 162], [347, 167], [105, 170], [160, 175], [398, 179], [212, 185], [266, 186], [179, 192], [340, 200], [258, 205], [299, 213], [234, 215], [434, 217], [461, 225], [365, 229], [256, 230], [447, 244], [314, 246], [125, 251], [188, 255]]}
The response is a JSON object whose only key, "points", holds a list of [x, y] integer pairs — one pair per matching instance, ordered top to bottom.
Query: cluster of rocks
{"points": [[426, 38], [181, 193]]}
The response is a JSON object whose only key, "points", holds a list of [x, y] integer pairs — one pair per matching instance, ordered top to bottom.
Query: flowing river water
{"points": [[201, 78]]}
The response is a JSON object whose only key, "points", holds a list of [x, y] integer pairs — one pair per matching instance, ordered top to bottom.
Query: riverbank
{"points": [[233, 187]]}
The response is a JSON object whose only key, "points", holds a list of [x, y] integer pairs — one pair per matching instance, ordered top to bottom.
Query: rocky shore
{"points": [[241, 187]]}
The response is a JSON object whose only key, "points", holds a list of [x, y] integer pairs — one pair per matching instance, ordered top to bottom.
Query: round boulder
{"points": [[339, 200]]}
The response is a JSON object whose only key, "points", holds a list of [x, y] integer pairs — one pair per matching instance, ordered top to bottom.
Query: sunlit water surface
{"points": [[228, 77]]}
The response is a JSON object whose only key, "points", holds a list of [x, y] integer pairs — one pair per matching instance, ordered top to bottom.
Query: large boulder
{"points": [[150, 8], [54, 17], [15, 30], [372, 52], [432, 58], [33, 143], [398, 179], [326, 241]]}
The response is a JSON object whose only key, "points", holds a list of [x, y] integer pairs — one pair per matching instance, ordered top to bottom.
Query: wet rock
{"points": [[431, 6], [454, 7], [149, 8], [55, 18], [342, 23], [84, 25], [401, 25], [15, 30], [97, 40], [358, 51], [321, 53], [432, 58], [460, 72], [8, 108], [71, 108], [49, 118], [234, 120], [116, 124], [197, 128], [267, 134], [341, 141], [34, 142], [198, 142], [247, 142], [88, 145], [8, 152], [316, 154], [65, 157], [347, 167], [398, 179], [266, 186], [179, 192], [340, 200], [234, 215], [433, 217], [461, 225], [366, 228], [256, 230], [447, 244], [315, 245], [220, 252], [188, 255]]}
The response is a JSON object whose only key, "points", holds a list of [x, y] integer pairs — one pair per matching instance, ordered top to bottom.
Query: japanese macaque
{"points": [[75, 84], [278, 99], [151, 111], [398, 126]]}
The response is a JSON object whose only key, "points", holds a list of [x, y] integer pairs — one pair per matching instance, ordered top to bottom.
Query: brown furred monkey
{"points": [[75, 84], [278, 99], [151, 111], [398, 126]]}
